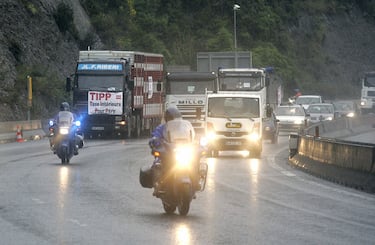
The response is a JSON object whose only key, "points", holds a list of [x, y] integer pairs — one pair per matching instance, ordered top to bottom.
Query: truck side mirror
{"points": [[131, 84], [68, 85], [269, 111]]}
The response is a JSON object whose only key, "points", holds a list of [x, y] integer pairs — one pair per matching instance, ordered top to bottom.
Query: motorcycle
{"points": [[60, 140], [175, 176]]}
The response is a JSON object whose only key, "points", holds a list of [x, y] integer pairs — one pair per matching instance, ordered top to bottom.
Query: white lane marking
{"points": [[37, 200], [75, 221]]}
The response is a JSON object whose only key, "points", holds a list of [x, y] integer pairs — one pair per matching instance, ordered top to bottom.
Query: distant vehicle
{"points": [[368, 93], [306, 100], [346, 108], [321, 112], [292, 118], [271, 128]]}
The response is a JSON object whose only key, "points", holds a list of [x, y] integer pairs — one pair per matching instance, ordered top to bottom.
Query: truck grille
{"points": [[189, 112], [232, 134]]}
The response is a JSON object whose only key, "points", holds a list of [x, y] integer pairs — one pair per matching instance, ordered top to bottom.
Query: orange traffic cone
{"points": [[19, 135]]}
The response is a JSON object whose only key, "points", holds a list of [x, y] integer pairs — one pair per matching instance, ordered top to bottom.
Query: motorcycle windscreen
{"points": [[179, 131]]}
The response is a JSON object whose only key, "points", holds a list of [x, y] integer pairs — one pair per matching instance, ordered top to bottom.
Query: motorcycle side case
{"points": [[146, 177]]}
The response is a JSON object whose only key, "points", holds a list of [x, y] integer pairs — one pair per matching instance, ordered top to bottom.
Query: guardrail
{"points": [[345, 162]]}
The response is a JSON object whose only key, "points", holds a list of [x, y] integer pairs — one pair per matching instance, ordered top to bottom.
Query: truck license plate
{"points": [[97, 128], [233, 142]]}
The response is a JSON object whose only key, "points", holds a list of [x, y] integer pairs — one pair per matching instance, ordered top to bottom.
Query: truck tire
{"points": [[138, 126], [129, 128]]}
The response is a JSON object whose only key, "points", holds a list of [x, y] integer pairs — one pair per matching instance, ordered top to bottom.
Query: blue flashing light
{"points": [[269, 69]]}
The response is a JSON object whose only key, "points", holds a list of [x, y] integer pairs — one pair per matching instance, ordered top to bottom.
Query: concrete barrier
{"points": [[11, 126], [31, 130], [345, 162]]}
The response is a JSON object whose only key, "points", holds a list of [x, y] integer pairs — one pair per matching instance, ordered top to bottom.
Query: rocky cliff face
{"points": [[30, 36]]}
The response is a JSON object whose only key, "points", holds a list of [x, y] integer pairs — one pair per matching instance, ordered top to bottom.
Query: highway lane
{"points": [[368, 137], [97, 199]]}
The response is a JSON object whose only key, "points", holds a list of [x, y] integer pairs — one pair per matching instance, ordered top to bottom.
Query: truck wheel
{"points": [[129, 128], [138, 128], [256, 154]]}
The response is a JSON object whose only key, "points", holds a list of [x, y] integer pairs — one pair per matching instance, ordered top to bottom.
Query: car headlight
{"points": [[350, 114], [329, 118], [64, 130], [184, 156]]}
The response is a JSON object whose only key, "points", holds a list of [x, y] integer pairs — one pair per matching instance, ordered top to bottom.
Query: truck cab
{"points": [[234, 122]]}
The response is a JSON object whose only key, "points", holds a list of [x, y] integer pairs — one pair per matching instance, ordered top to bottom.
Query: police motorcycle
{"points": [[60, 139], [179, 171]]}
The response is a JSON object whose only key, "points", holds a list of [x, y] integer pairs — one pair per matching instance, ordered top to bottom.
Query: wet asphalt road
{"points": [[97, 199]]}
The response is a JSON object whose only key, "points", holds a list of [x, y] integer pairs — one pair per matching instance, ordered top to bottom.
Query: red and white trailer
{"points": [[118, 92]]}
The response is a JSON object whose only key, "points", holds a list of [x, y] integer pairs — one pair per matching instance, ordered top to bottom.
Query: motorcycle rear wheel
{"points": [[184, 200]]}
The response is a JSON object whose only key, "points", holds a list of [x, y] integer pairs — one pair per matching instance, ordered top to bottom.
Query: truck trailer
{"points": [[117, 92]]}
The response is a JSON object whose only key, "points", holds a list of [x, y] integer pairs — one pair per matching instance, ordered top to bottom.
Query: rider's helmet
{"points": [[64, 106], [172, 113]]}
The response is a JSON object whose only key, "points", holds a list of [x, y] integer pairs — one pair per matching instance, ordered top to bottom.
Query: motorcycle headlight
{"points": [[50, 123], [78, 123], [64, 130], [184, 156]]}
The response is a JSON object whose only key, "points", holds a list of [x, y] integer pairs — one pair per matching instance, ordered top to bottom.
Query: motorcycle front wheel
{"points": [[169, 209]]}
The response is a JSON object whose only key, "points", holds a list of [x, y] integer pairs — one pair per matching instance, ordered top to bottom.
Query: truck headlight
{"points": [[254, 136]]}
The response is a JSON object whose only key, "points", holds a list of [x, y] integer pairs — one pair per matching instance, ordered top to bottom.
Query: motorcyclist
{"points": [[64, 117], [173, 129]]}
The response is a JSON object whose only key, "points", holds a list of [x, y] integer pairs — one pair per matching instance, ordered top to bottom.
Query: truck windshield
{"points": [[370, 81], [101, 82], [241, 83], [189, 87], [238, 107]]}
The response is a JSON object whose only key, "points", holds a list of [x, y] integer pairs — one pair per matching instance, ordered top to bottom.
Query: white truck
{"points": [[186, 90], [367, 103], [235, 110]]}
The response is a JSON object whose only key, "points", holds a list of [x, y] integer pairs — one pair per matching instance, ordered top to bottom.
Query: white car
{"points": [[306, 100], [321, 112], [292, 118]]}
